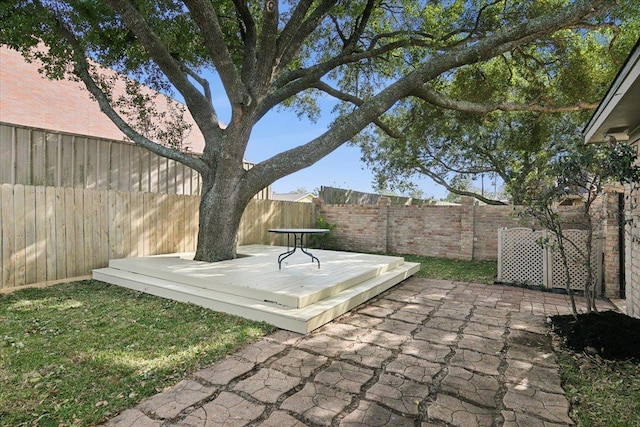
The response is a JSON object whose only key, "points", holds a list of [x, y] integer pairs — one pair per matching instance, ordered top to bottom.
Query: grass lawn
{"points": [[449, 269], [78, 353], [601, 392]]}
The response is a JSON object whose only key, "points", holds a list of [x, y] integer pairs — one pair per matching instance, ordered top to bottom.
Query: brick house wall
{"points": [[27, 98], [632, 243]]}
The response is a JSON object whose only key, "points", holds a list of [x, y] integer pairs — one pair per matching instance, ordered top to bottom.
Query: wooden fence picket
{"points": [[53, 233]]}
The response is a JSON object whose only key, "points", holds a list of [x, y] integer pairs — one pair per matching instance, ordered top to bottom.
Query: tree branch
{"points": [[205, 17], [361, 25], [295, 32], [250, 40], [268, 48], [81, 69], [202, 81], [291, 83], [439, 99], [357, 102], [200, 108], [351, 124], [439, 180]]}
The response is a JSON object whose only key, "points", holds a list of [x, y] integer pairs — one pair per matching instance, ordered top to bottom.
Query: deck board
{"points": [[256, 273], [300, 297]]}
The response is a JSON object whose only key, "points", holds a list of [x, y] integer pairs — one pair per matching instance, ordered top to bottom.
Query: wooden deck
{"points": [[300, 297]]}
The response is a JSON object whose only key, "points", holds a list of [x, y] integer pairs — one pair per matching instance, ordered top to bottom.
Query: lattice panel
{"points": [[520, 258], [577, 270]]}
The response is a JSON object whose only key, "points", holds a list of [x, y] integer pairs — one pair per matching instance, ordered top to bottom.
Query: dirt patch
{"points": [[610, 334]]}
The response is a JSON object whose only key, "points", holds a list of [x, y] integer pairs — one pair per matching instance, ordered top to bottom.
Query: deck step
{"points": [[256, 275], [297, 319]]}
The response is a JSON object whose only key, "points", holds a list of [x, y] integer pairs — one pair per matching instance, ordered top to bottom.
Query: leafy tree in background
{"points": [[377, 59], [501, 118], [577, 169]]}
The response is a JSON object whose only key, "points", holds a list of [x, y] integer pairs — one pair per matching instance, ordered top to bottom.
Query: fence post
{"points": [[467, 226]]}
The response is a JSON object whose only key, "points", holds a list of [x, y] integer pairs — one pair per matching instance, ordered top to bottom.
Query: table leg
{"points": [[297, 242], [284, 255], [311, 255]]}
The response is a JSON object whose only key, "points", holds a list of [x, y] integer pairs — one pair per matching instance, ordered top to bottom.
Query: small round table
{"points": [[298, 241]]}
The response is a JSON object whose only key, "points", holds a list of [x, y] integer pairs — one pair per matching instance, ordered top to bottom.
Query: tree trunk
{"points": [[219, 225]]}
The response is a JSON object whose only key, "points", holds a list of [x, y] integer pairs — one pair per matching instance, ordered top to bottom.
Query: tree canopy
{"points": [[379, 60], [503, 118]]}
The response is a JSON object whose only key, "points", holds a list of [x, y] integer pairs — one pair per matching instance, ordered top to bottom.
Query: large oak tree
{"points": [[369, 55], [506, 118]]}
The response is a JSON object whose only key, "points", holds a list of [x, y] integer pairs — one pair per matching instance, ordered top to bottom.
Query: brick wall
{"points": [[358, 227], [425, 230], [465, 232], [632, 243]]}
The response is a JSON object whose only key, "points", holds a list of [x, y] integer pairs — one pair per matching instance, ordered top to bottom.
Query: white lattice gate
{"points": [[521, 259]]}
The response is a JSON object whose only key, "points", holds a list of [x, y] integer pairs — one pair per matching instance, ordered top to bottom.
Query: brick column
{"points": [[383, 222], [467, 226], [611, 245]]}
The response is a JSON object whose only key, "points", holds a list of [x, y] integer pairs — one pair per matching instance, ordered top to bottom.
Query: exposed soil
{"points": [[610, 334]]}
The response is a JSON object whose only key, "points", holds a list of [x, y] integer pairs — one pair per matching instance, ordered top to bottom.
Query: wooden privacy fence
{"points": [[32, 156], [49, 233]]}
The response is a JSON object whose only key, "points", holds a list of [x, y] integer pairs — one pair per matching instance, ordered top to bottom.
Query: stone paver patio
{"points": [[425, 353]]}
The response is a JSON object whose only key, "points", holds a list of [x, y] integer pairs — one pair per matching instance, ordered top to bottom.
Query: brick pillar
{"points": [[383, 222], [467, 225], [611, 245]]}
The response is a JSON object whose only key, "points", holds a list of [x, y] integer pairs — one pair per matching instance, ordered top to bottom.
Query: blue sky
{"points": [[281, 129]]}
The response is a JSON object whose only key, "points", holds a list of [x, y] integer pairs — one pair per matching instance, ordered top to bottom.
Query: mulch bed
{"points": [[610, 334]]}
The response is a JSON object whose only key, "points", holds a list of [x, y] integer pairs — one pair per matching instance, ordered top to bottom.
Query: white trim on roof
{"points": [[629, 73]]}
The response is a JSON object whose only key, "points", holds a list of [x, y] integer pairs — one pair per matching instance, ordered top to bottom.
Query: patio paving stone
{"points": [[375, 311], [406, 315], [361, 320], [445, 323], [396, 326], [483, 330], [344, 331], [437, 336], [385, 339], [481, 344], [326, 345], [261, 350], [425, 350], [366, 354], [466, 355], [477, 361], [299, 363], [412, 367], [225, 371], [524, 375], [344, 376], [267, 385], [470, 386], [397, 393], [173, 401], [318, 403], [548, 406], [228, 409], [459, 413], [371, 414], [132, 417], [281, 419], [518, 419]]}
